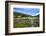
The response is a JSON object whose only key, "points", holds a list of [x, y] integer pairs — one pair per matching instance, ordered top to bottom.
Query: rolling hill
{"points": [[23, 15]]}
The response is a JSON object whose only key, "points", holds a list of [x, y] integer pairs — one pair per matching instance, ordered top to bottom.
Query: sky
{"points": [[27, 11]]}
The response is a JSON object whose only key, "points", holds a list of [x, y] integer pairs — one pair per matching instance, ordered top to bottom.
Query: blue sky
{"points": [[27, 11]]}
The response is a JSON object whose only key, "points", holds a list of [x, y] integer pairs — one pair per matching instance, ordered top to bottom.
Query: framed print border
{"points": [[6, 17]]}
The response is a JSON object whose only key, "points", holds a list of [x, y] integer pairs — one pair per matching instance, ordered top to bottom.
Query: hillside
{"points": [[23, 15], [23, 20]]}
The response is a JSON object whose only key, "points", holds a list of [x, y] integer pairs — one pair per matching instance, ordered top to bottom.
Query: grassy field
{"points": [[18, 25], [22, 25]]}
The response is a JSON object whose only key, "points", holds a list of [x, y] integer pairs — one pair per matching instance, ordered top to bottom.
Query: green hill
{"points": [[16, 15], [21, 15]]}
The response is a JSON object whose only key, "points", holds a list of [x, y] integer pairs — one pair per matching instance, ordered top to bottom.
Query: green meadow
{"points": [[22, 25]]}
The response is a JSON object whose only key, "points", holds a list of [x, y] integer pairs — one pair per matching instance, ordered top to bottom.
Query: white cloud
{"points": [[37, 13]]}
